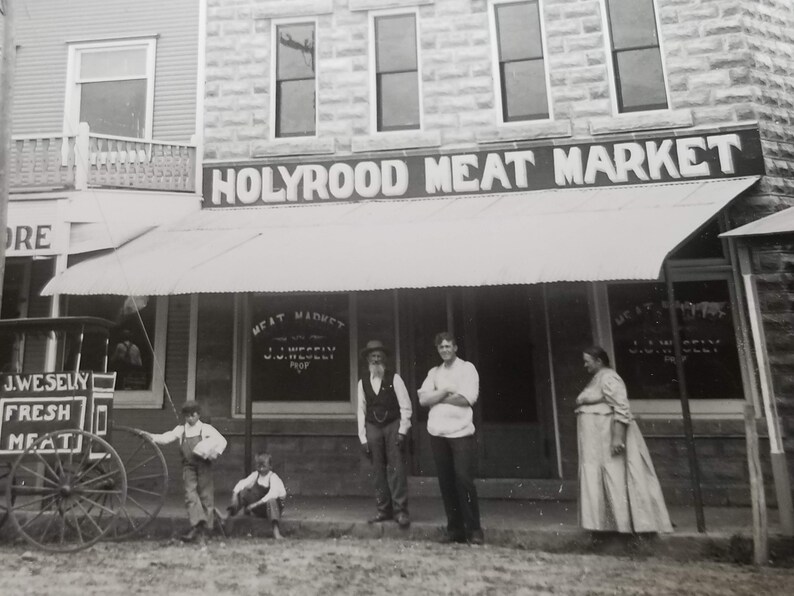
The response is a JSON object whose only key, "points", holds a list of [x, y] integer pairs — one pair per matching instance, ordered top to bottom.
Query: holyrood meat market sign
{"points": [[652, 159]]}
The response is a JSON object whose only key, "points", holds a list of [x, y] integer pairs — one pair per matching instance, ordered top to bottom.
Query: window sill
{"points": [[358, 5], [304, 8], [656, 120], [527, 131], [386, 141], [294, 146], [123, 400], [702, 409], [290, 425]]}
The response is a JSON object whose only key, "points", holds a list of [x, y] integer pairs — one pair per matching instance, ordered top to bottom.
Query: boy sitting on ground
{"points": [[261, 493]]}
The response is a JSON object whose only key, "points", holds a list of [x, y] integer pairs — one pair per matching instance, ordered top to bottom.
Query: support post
{"points": [[7, 62], [689, 435], [777, 452], [760, 522]]}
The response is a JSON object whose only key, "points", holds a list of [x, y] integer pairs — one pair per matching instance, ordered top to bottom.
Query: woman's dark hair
{"points": [[598, 353]]}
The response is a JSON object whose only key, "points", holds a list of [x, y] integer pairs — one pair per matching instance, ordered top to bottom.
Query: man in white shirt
{"points": [[450, 391], [384, 417]]}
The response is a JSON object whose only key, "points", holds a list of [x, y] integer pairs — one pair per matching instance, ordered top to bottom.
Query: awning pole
{"points": [[249, 398], [689, 435], [777, 451]]}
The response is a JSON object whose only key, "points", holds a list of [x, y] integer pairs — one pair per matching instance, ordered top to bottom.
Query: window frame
{"points": [[496, 64], [373, 79], [74, 80], [614, 84], [274, 128], [151, 398], [666, 408]]}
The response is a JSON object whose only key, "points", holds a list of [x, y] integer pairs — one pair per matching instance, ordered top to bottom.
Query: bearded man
{"points": [[384, 417]]}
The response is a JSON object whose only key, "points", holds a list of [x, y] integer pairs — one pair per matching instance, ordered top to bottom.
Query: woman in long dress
{"points": [[618, 488]]}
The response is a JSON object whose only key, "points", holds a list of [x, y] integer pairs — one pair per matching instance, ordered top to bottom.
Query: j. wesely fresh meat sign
{"points": [[655, 159]]}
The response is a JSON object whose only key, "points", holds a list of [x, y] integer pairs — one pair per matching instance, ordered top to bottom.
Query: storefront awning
{"points": [[781, 222], [583, 234]]}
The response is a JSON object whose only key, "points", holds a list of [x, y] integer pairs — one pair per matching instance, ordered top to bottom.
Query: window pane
{"points": [[632, 23], [518, 28], [395, 39], [295, 52], [110, 62], [641, 80], [524, 92], [398, 96], [114, 107], [295, 108], [706, 244], [130, 345], [300, 349], [215, 352], [644, 354]]}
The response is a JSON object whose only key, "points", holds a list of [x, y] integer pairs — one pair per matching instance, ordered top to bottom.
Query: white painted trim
{"points": [[274, 25], [660, 38], [496, 75], [73, 79], [373, 86], [201, 89]]}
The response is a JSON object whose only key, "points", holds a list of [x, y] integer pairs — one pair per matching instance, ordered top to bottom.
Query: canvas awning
{"points": [[781, 222], [583, 234]]}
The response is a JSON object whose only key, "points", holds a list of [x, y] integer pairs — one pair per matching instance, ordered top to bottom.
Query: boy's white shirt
{"points": [[215, 442], [271, 480]]}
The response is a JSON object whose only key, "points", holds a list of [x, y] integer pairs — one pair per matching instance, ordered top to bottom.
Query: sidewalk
{"points": [[537, 525]]}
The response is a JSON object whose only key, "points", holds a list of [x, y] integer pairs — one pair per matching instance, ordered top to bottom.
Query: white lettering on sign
{"points": [[634, 161], [309, 182], [46, 382], [37, 412]]}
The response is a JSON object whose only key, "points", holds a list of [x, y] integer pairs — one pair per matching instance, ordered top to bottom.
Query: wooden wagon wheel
{"points": [[147, 481], [66, 501]]}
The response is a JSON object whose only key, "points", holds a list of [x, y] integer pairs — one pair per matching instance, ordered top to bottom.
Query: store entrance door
{"points": [[501, 330]]}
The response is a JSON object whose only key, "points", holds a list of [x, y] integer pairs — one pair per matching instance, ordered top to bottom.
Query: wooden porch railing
{"points": [[57, 161]]}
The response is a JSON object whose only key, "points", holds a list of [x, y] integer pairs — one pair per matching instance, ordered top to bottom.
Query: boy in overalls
{"points": [[200, 444], [261, 493]]}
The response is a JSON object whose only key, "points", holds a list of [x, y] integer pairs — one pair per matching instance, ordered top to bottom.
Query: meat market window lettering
{"points": [[636, 55], [521, 64], [396, 72], [295, 80], [643, 345], [299, 351]]}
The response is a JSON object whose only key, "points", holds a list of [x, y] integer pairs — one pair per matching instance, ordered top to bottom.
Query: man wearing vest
{"points": [[384, 417]]}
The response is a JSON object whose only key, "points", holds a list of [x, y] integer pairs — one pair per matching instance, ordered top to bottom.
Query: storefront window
{"points": [[375, 315], [643, 344], [131, 348], [300, 348], [215, 352]]}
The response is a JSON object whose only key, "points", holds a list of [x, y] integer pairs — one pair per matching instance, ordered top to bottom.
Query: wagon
{"points": [[69, 477]]}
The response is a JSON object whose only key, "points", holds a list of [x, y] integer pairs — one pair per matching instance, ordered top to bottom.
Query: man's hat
{"points": [[372, 345]]}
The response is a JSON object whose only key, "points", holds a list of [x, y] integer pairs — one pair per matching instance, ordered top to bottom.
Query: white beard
{"points": [[377, 370]]}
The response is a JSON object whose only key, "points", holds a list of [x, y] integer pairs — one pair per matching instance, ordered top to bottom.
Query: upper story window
{"points": [[636, 56], [521, 66], [396, 73], [295, 80], [111, 87]]}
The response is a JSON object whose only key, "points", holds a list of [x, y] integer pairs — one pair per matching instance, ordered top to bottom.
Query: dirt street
{"points": [[348, 566]]}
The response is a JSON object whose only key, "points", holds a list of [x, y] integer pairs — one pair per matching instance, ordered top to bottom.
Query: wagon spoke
{"points": [[47, 465], [139, 465], [36, 474], [95, 479], [142, 490], [28, 503], [137, 503], [87, 515]]}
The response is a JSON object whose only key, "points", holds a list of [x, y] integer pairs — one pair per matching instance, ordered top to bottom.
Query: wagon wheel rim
{"points": [[147, 481], [65, 500]]}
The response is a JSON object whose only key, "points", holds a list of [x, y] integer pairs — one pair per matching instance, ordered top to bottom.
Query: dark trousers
{"points": [[456, 463], [388, 468]]}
